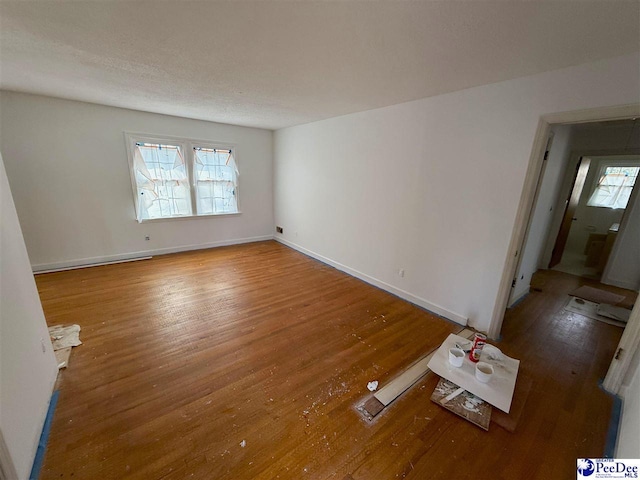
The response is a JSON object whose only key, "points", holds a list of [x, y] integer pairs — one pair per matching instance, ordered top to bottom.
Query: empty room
{"points": [[343, 240]]}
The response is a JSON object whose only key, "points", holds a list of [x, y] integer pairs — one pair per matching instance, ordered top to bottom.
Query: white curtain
{"points": [[161, 177], [216, 180]]}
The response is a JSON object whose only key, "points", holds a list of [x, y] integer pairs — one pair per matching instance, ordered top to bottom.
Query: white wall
{"points": [[67, 166], [430, 186], [543, 210], [623, 267], [27, 365], [628, 445]]}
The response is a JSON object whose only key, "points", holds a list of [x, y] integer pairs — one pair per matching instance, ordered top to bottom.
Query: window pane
{"points": [[161, 177], [216, 179], [614, 187]]}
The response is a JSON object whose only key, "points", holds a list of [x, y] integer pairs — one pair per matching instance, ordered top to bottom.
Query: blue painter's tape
{"points": [[614, 425], [44, 438]]}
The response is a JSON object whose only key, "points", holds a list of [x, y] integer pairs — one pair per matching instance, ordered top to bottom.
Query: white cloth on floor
{"points": [[63, 337]]}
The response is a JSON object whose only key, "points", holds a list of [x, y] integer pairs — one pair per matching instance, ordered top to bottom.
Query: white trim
{"points": [[588, 115], [187, 144], [609, 161], [528, 193], [188, 217], [521, 224], [93, 261], [87, 265], [619, 283], [519, 295], [515, 296], [421, 302], [629, 343]]}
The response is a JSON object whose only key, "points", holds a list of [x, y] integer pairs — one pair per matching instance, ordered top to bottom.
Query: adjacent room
{"points": [[269, 239]]}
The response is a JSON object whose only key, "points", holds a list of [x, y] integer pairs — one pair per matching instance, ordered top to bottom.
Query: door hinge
{"points": [[546, 155], [513, 284], [618, 353]]}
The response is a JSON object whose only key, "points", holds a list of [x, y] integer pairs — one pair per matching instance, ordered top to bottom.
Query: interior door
{"points": [[571, 204]]}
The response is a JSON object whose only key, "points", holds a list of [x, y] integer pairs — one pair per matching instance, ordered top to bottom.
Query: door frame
{"points": [[528, 194], [513, 299], [624, 354]]}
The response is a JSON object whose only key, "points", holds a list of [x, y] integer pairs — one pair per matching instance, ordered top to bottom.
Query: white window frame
{"points": [[187, 144], [602, 166]]}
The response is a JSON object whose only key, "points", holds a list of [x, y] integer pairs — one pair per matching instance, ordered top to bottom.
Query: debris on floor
{"points": [[596, 311], [616, 313], [63, 338], [62, 357], [372, 386], [464, 404]]}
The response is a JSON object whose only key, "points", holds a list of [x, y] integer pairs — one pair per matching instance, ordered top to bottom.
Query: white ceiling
{"points": [[273, 64]]}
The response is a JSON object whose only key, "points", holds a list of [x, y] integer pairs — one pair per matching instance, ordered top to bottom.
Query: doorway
{"points": [[583, 126], [601, 189], [530, 203]]}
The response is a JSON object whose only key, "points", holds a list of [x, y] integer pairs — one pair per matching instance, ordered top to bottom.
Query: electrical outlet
{"points": [[279, 229], [147, 237]]}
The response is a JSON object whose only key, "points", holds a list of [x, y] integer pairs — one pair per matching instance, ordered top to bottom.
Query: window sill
{"points": [[607, 208], [189, 217]]}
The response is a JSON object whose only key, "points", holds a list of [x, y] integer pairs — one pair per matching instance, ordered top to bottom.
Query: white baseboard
{"points": [[93, 261], [620, 283], [517, 296], [421, 302]]}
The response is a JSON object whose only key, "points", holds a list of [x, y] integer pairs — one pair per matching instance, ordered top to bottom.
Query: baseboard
{"points": [[93, 261], [620, 284], [518, 297], [421, 302]]}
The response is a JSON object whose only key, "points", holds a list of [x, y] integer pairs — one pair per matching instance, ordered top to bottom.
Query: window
{"points": [[182, 178], [216, 180], [614, 187]]}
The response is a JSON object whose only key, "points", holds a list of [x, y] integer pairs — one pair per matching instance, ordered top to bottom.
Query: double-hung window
{"points": [[174, 178], [614, 186]]}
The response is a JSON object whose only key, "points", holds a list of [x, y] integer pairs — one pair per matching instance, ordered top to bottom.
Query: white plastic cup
{"points": [[456, 357], [484, 371]]}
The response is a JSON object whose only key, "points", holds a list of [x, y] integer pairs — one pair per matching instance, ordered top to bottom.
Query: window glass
{"points": [[181, 177], [216, 180], [163, 184], [614, 187]]}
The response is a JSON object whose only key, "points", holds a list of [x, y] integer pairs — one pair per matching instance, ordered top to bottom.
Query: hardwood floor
{"points": [[247, 362]]}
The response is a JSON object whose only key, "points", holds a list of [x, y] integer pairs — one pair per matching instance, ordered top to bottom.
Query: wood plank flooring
{"points": [[247, 362]]}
